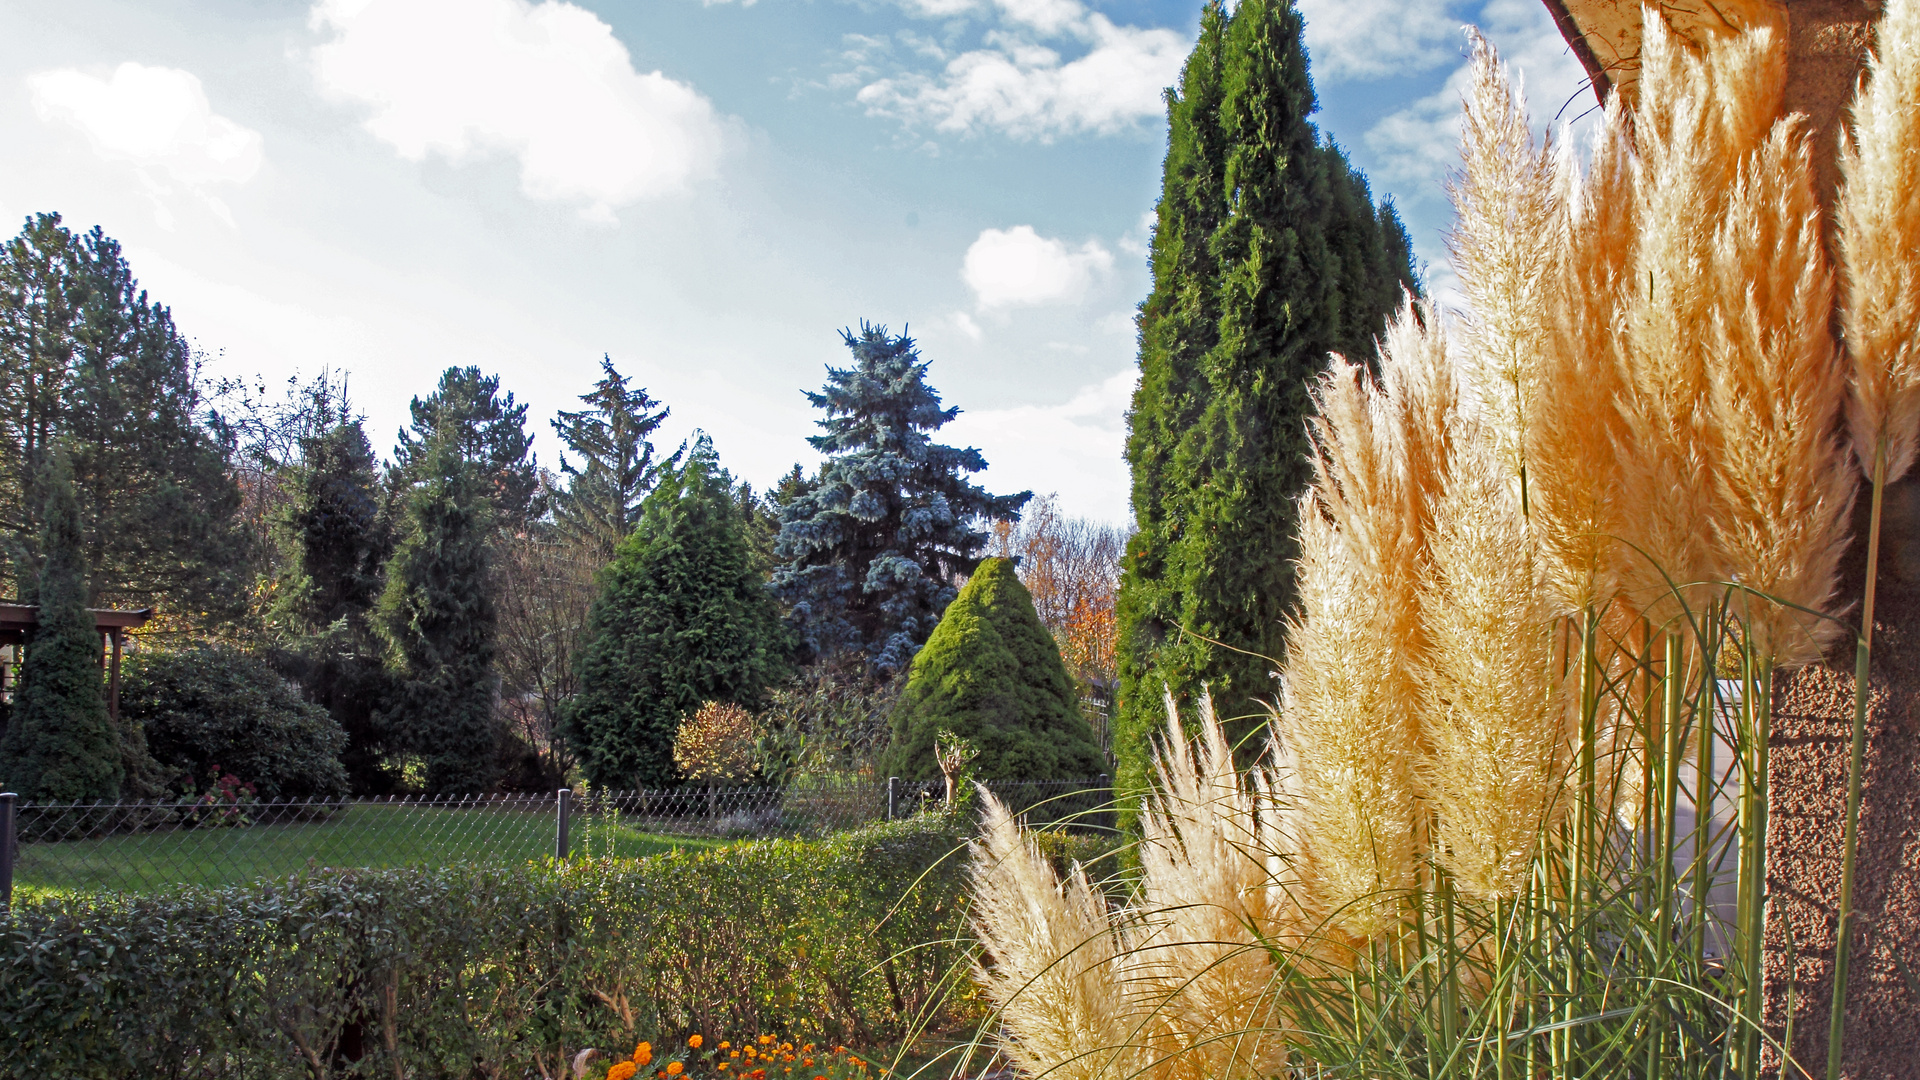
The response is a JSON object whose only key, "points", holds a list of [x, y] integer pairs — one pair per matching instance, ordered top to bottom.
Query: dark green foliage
{"points": [[1268, 254], [86, 360], [482, 430], [601, 502], [337, 540], [873, 544], [437, 616], [683, 617], [991, 674], [214, 706], [61, 746], [853, 940]]}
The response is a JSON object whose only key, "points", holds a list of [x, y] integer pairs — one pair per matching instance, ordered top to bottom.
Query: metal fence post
{"points": [[893, 792], [563, 813], [6, 849]]}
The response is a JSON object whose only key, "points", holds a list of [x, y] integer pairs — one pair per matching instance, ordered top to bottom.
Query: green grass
{"points": [[371, 836]]}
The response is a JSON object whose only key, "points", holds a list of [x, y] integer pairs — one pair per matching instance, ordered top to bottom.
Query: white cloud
{"points": [[1368, 39], [547, 83], [1026, 89], [154, 117], [1421, 142], [1019, 267], [964, 323], [1076, 448]]}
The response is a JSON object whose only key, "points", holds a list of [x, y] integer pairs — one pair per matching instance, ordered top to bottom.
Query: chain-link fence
{"points": [[143, 847]]}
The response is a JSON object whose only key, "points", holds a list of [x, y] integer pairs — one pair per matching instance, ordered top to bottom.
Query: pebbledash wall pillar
{"points": [[1827, 42]]}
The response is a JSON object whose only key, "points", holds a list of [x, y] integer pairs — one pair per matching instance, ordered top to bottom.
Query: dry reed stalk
{"points": [[1700, 115], [1878, 209], [1506, 241], [1777, 389], [1574, 494], [1489, 702], [1350, 722], [1213, 899], [1057, 971], [1178, 986]]}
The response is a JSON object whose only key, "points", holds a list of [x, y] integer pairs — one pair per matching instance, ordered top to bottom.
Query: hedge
{"points": [[493, 973]]}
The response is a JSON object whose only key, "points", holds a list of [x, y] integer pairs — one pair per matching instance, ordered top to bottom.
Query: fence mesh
{"points": [[145, 847]]}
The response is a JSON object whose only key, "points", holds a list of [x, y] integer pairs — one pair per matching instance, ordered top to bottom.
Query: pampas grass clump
{"points": [[1528, 553]]}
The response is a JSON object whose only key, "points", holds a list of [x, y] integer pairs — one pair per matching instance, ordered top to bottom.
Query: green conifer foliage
{"points": [[1268, 254], [486, 431], [601, 502], [337, 539], [873, 544], [437, 616], [684, 616], [991, 674], [61, 746]]}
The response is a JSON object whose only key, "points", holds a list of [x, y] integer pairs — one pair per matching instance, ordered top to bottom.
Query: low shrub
{"points": [[210, 711], [465, 972]]}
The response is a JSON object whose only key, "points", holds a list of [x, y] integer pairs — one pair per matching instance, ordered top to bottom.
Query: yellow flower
{"points": [[765, 1040], [693, 1041], [724, 1044], [733, 1054], [622, 1070]]}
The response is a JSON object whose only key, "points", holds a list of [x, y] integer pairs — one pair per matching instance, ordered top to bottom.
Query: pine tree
{"points": [[1268, 254], [88, 362], [486, 431], [601, 502], [338, 540], [872, 546], [437, 617], [683, 617], [991, 674], [61, 745]]}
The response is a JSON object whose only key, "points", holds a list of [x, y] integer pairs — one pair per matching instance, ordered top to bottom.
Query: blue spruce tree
{"points": [[873, 549]]}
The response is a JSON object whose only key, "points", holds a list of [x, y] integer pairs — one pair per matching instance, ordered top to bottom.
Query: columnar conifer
{"points": [[1268, 254]]}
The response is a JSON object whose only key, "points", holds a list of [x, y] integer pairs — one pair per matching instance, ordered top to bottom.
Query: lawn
{"points": [[365, 835]]}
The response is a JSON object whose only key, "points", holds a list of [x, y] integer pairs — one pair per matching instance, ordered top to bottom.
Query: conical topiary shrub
{"points": [[991, 674]]}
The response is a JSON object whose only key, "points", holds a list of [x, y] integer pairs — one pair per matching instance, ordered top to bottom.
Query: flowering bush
{"points": [[224, 802], [763, 1058]]}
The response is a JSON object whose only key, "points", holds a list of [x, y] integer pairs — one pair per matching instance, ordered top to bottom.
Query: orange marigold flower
{"points": [[765, 1040], [693, 1041], [724, 1044], [733, 1054], [808, 1063], [722, 1066], [674, 1068], [622, 1070]]}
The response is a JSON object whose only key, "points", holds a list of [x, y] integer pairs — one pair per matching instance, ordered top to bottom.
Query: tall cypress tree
{"points": [[1268, 253], [338, 540], [873, 545], [437, 616], [683, 617], [61, 746]]}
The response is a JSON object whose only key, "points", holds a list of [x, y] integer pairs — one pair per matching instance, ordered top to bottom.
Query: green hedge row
{"points": [[473, 973]]}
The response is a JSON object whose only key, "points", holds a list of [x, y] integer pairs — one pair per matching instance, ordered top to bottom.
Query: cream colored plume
{"points": [[1700, 115], [1506, 240], [1879, 240], [1784, 483], [1574, 489], [1349, 720], [1498, 748], [1212, 877], [1057, 969], [1177, 986]]}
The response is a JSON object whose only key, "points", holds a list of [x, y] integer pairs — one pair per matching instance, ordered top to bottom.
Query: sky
{"points": [[707, 193]]}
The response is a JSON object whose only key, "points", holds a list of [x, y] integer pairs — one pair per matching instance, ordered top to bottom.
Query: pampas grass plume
{"points": [[1878, 210]]}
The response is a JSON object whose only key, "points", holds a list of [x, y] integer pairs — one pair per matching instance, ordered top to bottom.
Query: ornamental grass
{"points": [[1554, 554]]}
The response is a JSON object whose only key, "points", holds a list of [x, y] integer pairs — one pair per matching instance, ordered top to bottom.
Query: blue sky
{"points": [[706, 192]]}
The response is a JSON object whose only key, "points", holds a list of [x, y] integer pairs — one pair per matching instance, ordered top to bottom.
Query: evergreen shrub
{"points": [[991, 674], [211, 706], [464, 972]]}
